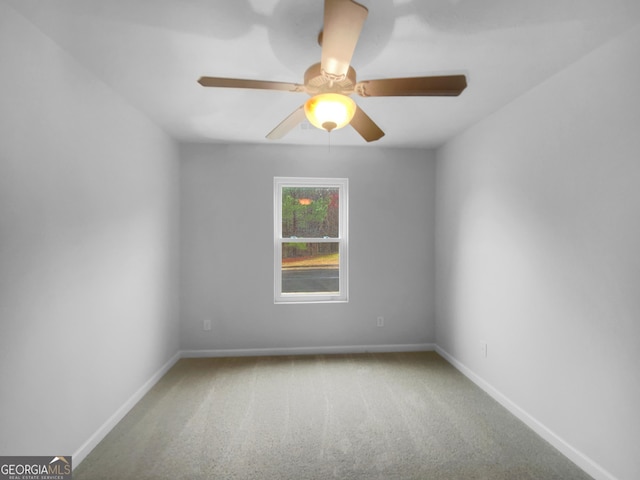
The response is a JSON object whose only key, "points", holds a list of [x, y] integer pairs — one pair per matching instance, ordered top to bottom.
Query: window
{"points": [[310, 240]]}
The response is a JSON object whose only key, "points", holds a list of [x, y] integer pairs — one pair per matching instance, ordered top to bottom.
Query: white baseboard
{"points": [[267, 352], [102, 432], [577, 457]]}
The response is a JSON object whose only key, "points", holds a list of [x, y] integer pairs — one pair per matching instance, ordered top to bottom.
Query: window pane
{"points": [[310, 212], [310, 267]]}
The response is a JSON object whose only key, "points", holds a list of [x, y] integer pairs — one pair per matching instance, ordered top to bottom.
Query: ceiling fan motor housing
{"points": [[317, 82]]}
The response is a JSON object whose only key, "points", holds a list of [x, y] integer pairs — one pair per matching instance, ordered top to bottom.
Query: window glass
{"points": [[310, 212], [310, 267]]}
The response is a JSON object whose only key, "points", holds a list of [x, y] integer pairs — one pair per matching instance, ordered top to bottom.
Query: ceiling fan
{"points": [[331, 82]]}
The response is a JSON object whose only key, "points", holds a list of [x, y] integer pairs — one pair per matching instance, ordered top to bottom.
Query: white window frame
{"points": [[342, 295]]}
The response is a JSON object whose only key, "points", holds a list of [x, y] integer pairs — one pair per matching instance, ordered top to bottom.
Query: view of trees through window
{"points": [[310, 213]]}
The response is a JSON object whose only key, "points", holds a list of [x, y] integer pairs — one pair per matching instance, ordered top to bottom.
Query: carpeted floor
{"points": [[369, 416]]}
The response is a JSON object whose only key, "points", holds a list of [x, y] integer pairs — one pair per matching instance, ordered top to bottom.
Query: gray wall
{"points": [[88, 195], [538, 235], [227, 248]]}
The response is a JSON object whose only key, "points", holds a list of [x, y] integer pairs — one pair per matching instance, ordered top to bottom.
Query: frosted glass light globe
{"points": [[330, 111]]}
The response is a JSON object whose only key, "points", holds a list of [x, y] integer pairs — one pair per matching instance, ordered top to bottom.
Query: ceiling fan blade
{"points": [[343, 21], [256, 84], [441, 86], [287, 124], [365, 126]]}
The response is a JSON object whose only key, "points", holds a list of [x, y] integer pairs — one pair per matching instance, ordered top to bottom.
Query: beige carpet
{"points": [[369, 416]]}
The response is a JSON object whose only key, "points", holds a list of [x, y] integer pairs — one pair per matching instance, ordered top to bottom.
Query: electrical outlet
{"points": [[380, 321], [206, 324]]}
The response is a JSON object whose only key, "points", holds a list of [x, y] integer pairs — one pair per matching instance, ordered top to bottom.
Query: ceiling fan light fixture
{"points": [[330, 111]]}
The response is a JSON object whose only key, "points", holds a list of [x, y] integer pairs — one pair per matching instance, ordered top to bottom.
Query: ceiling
{"points": [[151, 52]]}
